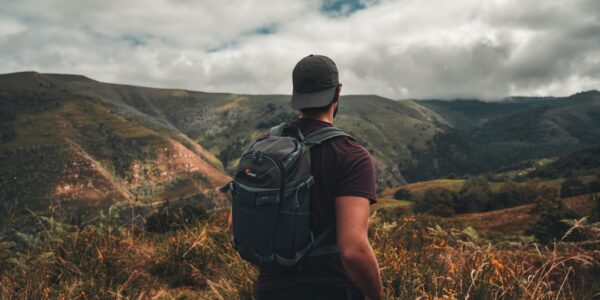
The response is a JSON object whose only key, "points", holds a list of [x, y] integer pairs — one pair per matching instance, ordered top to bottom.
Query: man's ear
{"points": [[337, 93]]}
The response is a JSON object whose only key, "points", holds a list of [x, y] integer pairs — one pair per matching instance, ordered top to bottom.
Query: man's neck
{"points": [[324, 117]]}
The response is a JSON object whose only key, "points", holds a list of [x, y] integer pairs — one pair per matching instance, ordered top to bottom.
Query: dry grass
{"points": [[420, 257]]}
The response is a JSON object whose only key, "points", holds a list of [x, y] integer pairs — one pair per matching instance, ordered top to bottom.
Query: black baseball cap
{"points": [[315, 79]]}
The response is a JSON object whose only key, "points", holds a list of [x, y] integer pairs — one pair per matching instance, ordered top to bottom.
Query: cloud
{"points": [[398, 49]]}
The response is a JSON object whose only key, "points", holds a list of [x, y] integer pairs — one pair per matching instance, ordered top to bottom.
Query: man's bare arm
{"points": [[230, 220], [358, 258]]}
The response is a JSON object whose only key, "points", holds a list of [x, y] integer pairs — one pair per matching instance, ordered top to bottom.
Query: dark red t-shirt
{"points": [[340, 167]]}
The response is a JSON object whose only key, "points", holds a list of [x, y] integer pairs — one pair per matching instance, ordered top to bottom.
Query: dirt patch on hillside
{"points": [[175, 159], [86, 182]]}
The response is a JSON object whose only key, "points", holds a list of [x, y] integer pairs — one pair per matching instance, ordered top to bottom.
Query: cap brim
{"points": [[316, 99]]}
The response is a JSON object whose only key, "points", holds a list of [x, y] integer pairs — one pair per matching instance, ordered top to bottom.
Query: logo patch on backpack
{"points": [[248, 172]]}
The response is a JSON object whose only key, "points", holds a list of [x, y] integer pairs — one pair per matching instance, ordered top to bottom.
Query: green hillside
{"points": [[225, 123], [487, 137], [71, 139], [411, 140], [64, 152], [579, 163]]}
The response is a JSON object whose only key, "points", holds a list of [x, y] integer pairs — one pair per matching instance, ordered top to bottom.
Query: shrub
{"points": [[271, 119], [594, 185], [572, 186], [403, 194], [511, 194], [474, 196], [438, 202], [394, 213], [551, 213], [595, 215], [167, 219]]}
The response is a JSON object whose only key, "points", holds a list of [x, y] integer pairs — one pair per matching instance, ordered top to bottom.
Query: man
{"points": [[343, 190]]}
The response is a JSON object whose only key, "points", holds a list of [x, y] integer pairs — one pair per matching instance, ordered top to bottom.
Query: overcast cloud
{"points": [[398, 49]]}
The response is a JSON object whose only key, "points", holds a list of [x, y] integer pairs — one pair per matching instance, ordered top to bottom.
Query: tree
{"points": [[594, 185], [572, 186], [403, 194], [511, 194], [474, 196], [438, 201], [550, 212], [595, 215]]}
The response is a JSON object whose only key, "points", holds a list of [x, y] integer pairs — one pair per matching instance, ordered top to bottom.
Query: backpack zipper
{"points": [[297, 156], [282, 172], [281, 193]]}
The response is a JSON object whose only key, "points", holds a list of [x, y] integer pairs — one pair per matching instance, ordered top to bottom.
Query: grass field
{"points": [[509, 220], [420, 258]]}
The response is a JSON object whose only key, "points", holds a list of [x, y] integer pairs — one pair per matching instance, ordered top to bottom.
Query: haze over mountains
{"points": [[71, 141]]}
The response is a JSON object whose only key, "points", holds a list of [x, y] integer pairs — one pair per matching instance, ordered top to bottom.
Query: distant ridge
{"points": [[78, 77], [152, 144]]}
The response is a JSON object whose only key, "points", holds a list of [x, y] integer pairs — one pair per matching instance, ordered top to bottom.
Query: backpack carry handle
{"points": [[284, 129], [278, 130], [293, 132]]}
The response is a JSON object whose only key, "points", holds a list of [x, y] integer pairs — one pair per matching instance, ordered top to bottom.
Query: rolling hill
{"points": [[224, 123], [488, 137], [68, 139], [67, 152], [579, 163]]}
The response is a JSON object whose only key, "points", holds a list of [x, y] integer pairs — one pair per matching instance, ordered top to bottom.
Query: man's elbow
{"points": [[230, 221], [355, 252]]}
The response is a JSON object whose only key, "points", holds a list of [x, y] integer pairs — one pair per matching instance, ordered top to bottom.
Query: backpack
{"points": [[271, 198]]}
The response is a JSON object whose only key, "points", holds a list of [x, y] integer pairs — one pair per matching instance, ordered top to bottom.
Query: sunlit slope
{"points": [[225, 124], [411, 140], [61, 150]]}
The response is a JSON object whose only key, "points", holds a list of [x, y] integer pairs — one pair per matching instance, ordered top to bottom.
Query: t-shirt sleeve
{"points": [[356, 173]]}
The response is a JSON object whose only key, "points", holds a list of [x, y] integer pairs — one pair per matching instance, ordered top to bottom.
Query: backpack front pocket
{"points": [[255, 213], [293, 229]]}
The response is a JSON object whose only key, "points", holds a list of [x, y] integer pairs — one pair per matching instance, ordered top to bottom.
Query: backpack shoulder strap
{"points": [[278, 129], [323, 134], [318, 249]]}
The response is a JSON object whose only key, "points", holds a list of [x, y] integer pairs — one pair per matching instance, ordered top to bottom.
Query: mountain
{"points": [[225, 123], [487, 137], [68, 139], [64, 150]]}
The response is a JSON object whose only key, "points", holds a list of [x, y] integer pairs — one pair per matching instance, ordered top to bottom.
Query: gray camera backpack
{"points": [[271, 198]]}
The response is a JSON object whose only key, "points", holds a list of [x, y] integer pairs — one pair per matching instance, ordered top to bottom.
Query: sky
{"points": [[404, 49]]}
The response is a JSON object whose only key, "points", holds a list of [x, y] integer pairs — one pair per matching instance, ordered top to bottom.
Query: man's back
{"points": [[341, 167]]}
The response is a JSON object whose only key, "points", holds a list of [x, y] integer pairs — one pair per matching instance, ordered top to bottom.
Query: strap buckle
{"points": [[226, 188]]}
